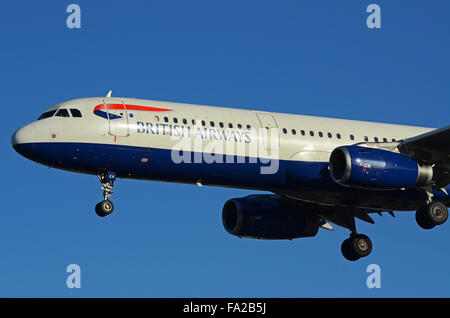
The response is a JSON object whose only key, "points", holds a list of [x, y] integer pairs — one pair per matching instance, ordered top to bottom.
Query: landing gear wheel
{"points": [[104, 208], [437, 212], [422, 219], [361, 244], [357, 246], [348, 252]]}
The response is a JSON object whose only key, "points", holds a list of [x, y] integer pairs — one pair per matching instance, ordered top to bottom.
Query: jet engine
{"points": [[373, 168], [267, 217]]}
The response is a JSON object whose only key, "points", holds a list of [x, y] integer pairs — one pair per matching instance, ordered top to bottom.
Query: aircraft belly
{"points": [[307, 181]]}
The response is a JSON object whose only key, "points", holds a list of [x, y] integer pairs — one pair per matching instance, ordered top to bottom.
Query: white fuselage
{"points": [[147, 139]]}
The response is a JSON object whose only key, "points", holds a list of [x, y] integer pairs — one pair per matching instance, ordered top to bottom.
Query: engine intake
{"points": [[373, 168], [267, 217]]}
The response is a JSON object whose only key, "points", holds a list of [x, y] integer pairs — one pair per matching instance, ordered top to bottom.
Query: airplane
{"points": [[315, 170]]}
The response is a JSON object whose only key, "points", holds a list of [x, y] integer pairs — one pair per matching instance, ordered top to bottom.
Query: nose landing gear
{"points": [[106, 207]]}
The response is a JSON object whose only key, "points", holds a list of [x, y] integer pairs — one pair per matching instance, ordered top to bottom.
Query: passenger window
{"points": [[75, 112], [62, 113], [47, 114], [157, 118], [166, 119], [175, 120], [184, 121], [194, 122], [203, 123], [211, 123], [221, 125], [230, 125], [239, 126], [249, 127], [284, 131], [294, 132], [302, 132], [311, 133], [320, 134], [330, 135], [338, 136], [352, 137], [366, 138], [375, 139], [385, 139], [393, 140]]}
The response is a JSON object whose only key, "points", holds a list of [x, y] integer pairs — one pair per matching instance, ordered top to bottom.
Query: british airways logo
{"points": [[113, 111], [196, 132]]}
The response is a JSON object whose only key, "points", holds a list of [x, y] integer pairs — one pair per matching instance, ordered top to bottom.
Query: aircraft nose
{"points": [[23, 135]]}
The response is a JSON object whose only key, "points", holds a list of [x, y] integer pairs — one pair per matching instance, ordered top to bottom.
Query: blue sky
{"points": [[166, 240]]}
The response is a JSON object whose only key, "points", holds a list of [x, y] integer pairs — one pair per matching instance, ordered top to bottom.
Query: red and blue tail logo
{"points": [[102, 110]]}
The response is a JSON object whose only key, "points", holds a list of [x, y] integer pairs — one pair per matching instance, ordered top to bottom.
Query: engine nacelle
{"points": [[373, 168], [267, 217]]}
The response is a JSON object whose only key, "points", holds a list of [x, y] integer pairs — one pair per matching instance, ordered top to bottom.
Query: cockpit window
{"points": [[75, 112], [62, 113], [47, 114]]}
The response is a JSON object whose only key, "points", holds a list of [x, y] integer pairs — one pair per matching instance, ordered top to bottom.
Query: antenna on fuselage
{"points": [[109, 93]]}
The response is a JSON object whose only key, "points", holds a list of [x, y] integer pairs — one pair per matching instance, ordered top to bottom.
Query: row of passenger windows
{"points": [[62, 112], [202, 122], [285, 131], [330, 135]]}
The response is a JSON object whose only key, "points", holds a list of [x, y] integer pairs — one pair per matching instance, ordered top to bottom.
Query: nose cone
{"points": [[25, 135]]}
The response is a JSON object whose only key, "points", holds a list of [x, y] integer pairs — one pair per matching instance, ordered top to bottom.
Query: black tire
{"points": [[104, 208], [437, 212], [423, 220], [361, 245], [347, 251]]}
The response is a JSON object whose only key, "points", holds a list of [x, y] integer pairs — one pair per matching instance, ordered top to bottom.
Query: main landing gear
{"points": [[106, 207], [432, 214], [357, 245]]}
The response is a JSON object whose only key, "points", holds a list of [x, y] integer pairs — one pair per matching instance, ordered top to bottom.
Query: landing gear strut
{"points": [[106, 207], [432, 214], [357, 245]]}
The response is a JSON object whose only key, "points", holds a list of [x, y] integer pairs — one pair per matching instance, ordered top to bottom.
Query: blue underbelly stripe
{"points": [[306, 180]]}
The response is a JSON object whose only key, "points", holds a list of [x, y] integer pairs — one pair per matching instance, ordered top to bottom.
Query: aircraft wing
{"points": [[432, 147]]}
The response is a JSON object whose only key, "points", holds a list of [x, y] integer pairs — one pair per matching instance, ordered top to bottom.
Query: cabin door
{"points": [[117, 117]]}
